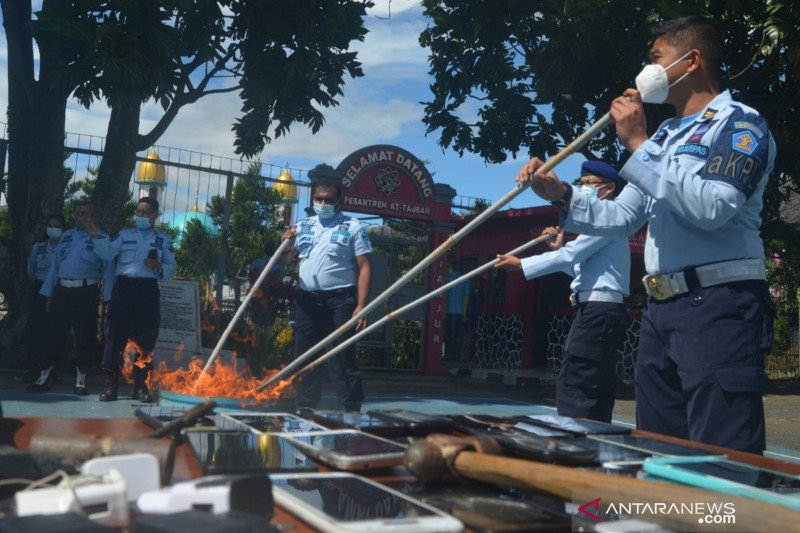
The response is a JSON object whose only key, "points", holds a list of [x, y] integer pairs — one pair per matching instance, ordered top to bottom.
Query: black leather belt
{"points": [[136, 281], [322, 295]]}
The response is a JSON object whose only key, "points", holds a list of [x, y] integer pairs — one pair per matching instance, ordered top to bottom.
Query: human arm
{"points": [[105, 248], [32, 263], [167, 263], [364, 265]]}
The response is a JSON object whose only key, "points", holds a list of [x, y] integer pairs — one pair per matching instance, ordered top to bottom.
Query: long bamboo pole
{"points": [[551, 163], [415, 303], [243, 306]]}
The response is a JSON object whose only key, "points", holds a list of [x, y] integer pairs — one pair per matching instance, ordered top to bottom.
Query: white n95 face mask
{"points": [[652, 82]]}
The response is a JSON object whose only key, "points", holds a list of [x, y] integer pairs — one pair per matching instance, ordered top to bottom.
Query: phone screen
{"points": [[276, 423], [576, 425], [349, 443], [655, 447], [243, 451], [606, 452], [746, 475], [348, 499]]}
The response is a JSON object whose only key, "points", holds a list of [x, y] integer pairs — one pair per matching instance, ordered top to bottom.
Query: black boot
{"points": [[43, 382], [140, 391], [109, 393]]}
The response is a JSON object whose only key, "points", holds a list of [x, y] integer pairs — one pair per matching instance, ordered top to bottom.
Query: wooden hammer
{"points": [[442, 457]]}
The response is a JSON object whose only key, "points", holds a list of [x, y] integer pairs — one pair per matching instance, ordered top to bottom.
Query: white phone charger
{"points": [[139, 470]]}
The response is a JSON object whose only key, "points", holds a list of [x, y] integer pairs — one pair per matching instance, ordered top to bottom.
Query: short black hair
{"points": [[697, 32], [337, 186], [152, 202], [81, 203], [57, 216]]}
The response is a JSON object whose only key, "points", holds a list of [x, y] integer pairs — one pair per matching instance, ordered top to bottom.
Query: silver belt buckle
{"points": [[657, 287]]}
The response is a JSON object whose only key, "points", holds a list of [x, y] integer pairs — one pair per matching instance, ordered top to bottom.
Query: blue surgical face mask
{"points": [[591, 192], [324, 211], [141, 222], [53, 233]]}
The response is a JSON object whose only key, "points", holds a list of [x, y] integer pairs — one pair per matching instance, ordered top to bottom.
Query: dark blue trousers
{"points": [[75, 307], [134, 313], [316, 316], [700, 369], [586, 385]]}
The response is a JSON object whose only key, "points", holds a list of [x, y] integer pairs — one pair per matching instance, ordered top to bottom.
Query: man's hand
{"points": [[628, 115], [545, 185], [89, 227], [288, 234], [558, 241], [508, 262], [152, 263], [362, 322]]}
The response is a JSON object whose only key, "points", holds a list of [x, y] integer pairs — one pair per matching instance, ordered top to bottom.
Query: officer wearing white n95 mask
{"points": [[699, 182]]}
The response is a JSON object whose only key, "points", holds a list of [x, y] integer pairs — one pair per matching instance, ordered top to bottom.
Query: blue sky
{"points": [[383, 107]]}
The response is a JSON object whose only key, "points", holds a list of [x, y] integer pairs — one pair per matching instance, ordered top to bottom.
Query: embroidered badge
{"points": [[708, 114], [742, 125], [744, 142], [692, 149]]}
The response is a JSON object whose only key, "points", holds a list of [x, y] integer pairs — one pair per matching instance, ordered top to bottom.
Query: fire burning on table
{"points": [[221, 380]]}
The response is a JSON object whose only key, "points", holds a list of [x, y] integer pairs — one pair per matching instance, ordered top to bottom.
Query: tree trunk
{"points": [[36, 115], [119, 160]]}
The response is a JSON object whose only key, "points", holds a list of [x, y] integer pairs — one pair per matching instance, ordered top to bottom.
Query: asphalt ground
{"points": [[427, 394]]}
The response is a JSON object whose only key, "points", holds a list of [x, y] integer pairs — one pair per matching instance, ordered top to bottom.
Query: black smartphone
{"points": [[152, 254], [157, 416], [365, 422], [416, 423], [487, 424], [576, 426], [348, 449], [556, 451], [236, 452], [606, 452]]}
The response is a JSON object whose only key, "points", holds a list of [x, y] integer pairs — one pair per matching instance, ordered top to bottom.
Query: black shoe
{"points": [[44, 382], [140, 391], [109, 393], [142, 394]]}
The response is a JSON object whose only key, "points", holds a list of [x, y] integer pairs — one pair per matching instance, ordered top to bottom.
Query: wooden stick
{"points": [[551, 163], [243, 306], [392, 314], [561, 481]]}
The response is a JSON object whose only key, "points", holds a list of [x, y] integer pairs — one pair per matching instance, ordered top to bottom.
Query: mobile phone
{"points": [[152, 254], [157, 416], [267, 422], [365, 422], [416, 423], [483, 424], [577, 426], [651, 446], [348, 449], [237, 452], [562, 452], [607, 452], [729, 477], [340, 502]]}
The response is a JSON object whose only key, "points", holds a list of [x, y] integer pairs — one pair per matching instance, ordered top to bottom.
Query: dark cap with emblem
{"points": [[601, 170]]}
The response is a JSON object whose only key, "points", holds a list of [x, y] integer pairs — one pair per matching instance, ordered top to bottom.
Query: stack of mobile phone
{"points": [[260, 422], [348, 449], [345, 503]]}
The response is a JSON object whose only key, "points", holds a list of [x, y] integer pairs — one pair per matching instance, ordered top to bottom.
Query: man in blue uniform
{"points": [[699, 182], [143, 256], [39, 262], [601, 266], [335, 274], [71, 289]]}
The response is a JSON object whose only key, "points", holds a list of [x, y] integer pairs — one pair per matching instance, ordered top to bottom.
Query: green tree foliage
{"points": [[287, 59], [532, 75], [198, 253]]}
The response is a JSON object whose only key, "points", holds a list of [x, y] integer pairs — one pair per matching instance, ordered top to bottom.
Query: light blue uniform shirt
{"points": [[699, 182], [131, 247], [327, 252], [73, 258], [40, 259], [596, 263], [456, 295]]}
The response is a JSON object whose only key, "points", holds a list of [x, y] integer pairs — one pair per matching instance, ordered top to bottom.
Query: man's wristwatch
{"points": [[565, 198]]}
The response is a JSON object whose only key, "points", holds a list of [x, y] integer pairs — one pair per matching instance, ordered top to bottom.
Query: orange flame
{"points": [[134, 356], [221, 381]]}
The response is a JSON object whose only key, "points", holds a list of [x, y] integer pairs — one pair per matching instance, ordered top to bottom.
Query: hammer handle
{"points": [[560, 481]]}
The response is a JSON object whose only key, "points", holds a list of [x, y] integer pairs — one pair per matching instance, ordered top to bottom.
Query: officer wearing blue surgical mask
{"points": [[698, 183], [142, 256], [39, 261], [600, 267], [334, 278]]}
